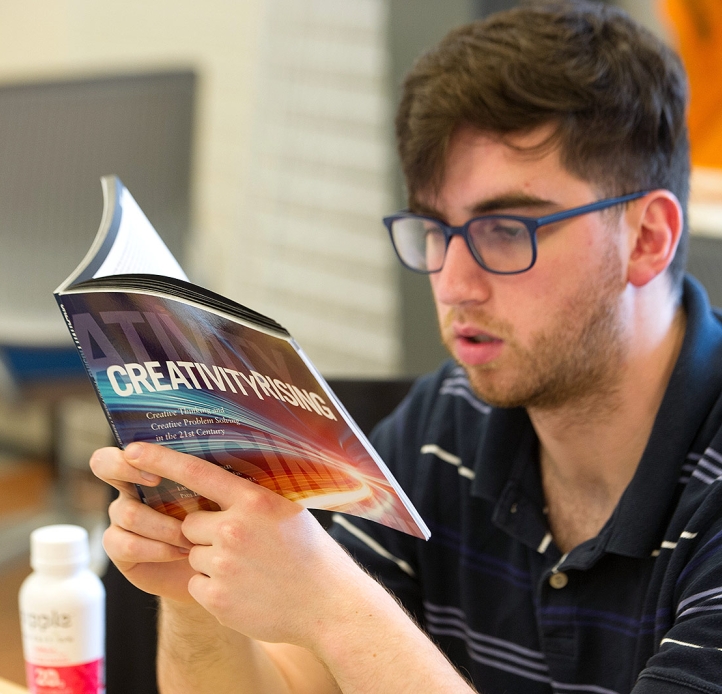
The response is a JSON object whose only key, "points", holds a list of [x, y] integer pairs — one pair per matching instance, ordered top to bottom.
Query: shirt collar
{"points": [[505, 463], [642, 515]]}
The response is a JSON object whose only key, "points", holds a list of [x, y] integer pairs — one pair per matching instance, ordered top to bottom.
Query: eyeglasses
{"points": [[500, 243]]}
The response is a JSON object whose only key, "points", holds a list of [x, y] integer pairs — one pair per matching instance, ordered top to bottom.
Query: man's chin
{"points": [[485, 382], [489, 384], [549, 396], [500, 400]]}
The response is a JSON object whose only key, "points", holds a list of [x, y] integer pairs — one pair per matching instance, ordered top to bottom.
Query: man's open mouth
{"points": [[480, 338]]}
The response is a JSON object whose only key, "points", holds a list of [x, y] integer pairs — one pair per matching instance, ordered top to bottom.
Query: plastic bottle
{"points": [[62, 615]]}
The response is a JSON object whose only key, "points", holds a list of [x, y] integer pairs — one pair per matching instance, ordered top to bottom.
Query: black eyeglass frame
{"points": [[531, 223]]}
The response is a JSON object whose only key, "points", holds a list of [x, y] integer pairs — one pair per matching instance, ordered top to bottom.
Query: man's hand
{"points": [[147, 546], [262, 565]]}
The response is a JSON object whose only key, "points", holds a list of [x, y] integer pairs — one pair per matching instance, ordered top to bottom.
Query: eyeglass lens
{"points": [[499, 244]]}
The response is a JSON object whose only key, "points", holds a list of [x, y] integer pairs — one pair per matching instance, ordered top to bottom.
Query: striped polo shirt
{"points": [[637, 608]]}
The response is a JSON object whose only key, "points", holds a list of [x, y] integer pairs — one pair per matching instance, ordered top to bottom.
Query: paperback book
{"points": [[175, 364]]}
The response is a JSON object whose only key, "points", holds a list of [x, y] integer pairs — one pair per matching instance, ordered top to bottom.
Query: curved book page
{"points": [[126, 242]]}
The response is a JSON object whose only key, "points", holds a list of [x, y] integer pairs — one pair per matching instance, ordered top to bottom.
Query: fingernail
{"points": [[133, 451], [149, 477], [183, 550]]}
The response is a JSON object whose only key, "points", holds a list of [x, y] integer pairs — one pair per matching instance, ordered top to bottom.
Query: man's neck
{"points": [[590, 450]]}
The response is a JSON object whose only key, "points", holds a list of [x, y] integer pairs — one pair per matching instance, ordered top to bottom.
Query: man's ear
{"points": [[656, 223]]}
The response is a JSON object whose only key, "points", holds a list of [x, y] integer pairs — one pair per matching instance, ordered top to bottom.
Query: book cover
{"points": [[175, 364]]}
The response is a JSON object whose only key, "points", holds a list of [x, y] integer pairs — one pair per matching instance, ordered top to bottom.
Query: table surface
{"points": [[11, 688]]}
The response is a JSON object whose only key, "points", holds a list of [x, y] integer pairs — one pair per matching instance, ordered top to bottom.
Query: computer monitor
{"points": [[57, 138]]}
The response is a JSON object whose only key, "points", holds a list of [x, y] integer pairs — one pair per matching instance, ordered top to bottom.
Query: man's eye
{"points": [[506, 230]]}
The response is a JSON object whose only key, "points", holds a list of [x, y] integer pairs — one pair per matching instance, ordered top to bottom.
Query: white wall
{"points": [[291, 157], [312, 250]]}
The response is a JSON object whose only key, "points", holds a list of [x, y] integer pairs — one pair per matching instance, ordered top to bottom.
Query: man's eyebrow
{"points": [[510, 201], [501, 202]]}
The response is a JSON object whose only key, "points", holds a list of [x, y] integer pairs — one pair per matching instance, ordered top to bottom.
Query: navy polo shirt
{"points": [[637, 608]]}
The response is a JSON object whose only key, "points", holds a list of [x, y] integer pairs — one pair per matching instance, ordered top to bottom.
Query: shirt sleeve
{"points": [[689, 657]]}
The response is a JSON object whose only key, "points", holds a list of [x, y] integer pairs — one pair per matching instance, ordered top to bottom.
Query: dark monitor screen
{"points": [[56, 140]]}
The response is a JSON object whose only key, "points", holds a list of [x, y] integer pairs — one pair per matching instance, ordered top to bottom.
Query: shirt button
{"points": [[558, 580]]}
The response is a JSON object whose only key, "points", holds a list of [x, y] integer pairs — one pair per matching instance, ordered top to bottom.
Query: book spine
{"points": [[113, 428]]}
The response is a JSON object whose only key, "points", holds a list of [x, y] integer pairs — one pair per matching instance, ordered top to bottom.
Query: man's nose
{"points": [[461, 280]]}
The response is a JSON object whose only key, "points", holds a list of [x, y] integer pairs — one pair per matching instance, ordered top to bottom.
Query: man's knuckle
{"points": [[99, 461], [94, 463], [195, 468], [257, 502], [128, 515], [230, 532], [110, 539], [130, 546], [221, 564], [216, 597]]}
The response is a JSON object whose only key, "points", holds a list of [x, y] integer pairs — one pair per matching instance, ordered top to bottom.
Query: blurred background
{"points": [[257, 137]]}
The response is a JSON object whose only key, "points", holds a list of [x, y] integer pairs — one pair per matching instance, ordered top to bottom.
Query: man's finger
{"points": [[110, 465], [202, 477], [136, 517], [123, 546], [201, 559]]}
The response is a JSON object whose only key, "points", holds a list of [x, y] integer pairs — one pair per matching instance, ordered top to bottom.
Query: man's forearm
{"points": [[376, 648], [372, 649], [196, 655]]}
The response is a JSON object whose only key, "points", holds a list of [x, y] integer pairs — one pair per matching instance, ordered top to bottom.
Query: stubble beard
{"points": [[577, 360]]}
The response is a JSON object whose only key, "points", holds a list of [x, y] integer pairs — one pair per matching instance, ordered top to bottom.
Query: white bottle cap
{"points": [[59, 545]]}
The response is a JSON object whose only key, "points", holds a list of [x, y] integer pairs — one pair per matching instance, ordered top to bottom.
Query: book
{"points": [[176, 364]]}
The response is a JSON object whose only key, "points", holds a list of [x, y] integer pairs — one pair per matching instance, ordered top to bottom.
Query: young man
{"points": [[569, 465]]}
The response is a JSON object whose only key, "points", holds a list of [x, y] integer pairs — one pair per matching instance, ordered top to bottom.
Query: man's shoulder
{"points": [[436, 400], [441, 416]]}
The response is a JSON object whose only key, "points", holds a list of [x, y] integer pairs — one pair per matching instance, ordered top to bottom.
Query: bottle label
{"points": [[59, 637], [85, 678]]}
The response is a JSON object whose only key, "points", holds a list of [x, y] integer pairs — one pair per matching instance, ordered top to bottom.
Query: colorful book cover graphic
{"points": [[172, 373]]}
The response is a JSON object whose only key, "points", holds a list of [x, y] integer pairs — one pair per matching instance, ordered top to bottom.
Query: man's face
{"points": [[551, 335]]}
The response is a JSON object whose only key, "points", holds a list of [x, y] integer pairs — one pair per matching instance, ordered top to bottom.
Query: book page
{"points": [[137, 247]]}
